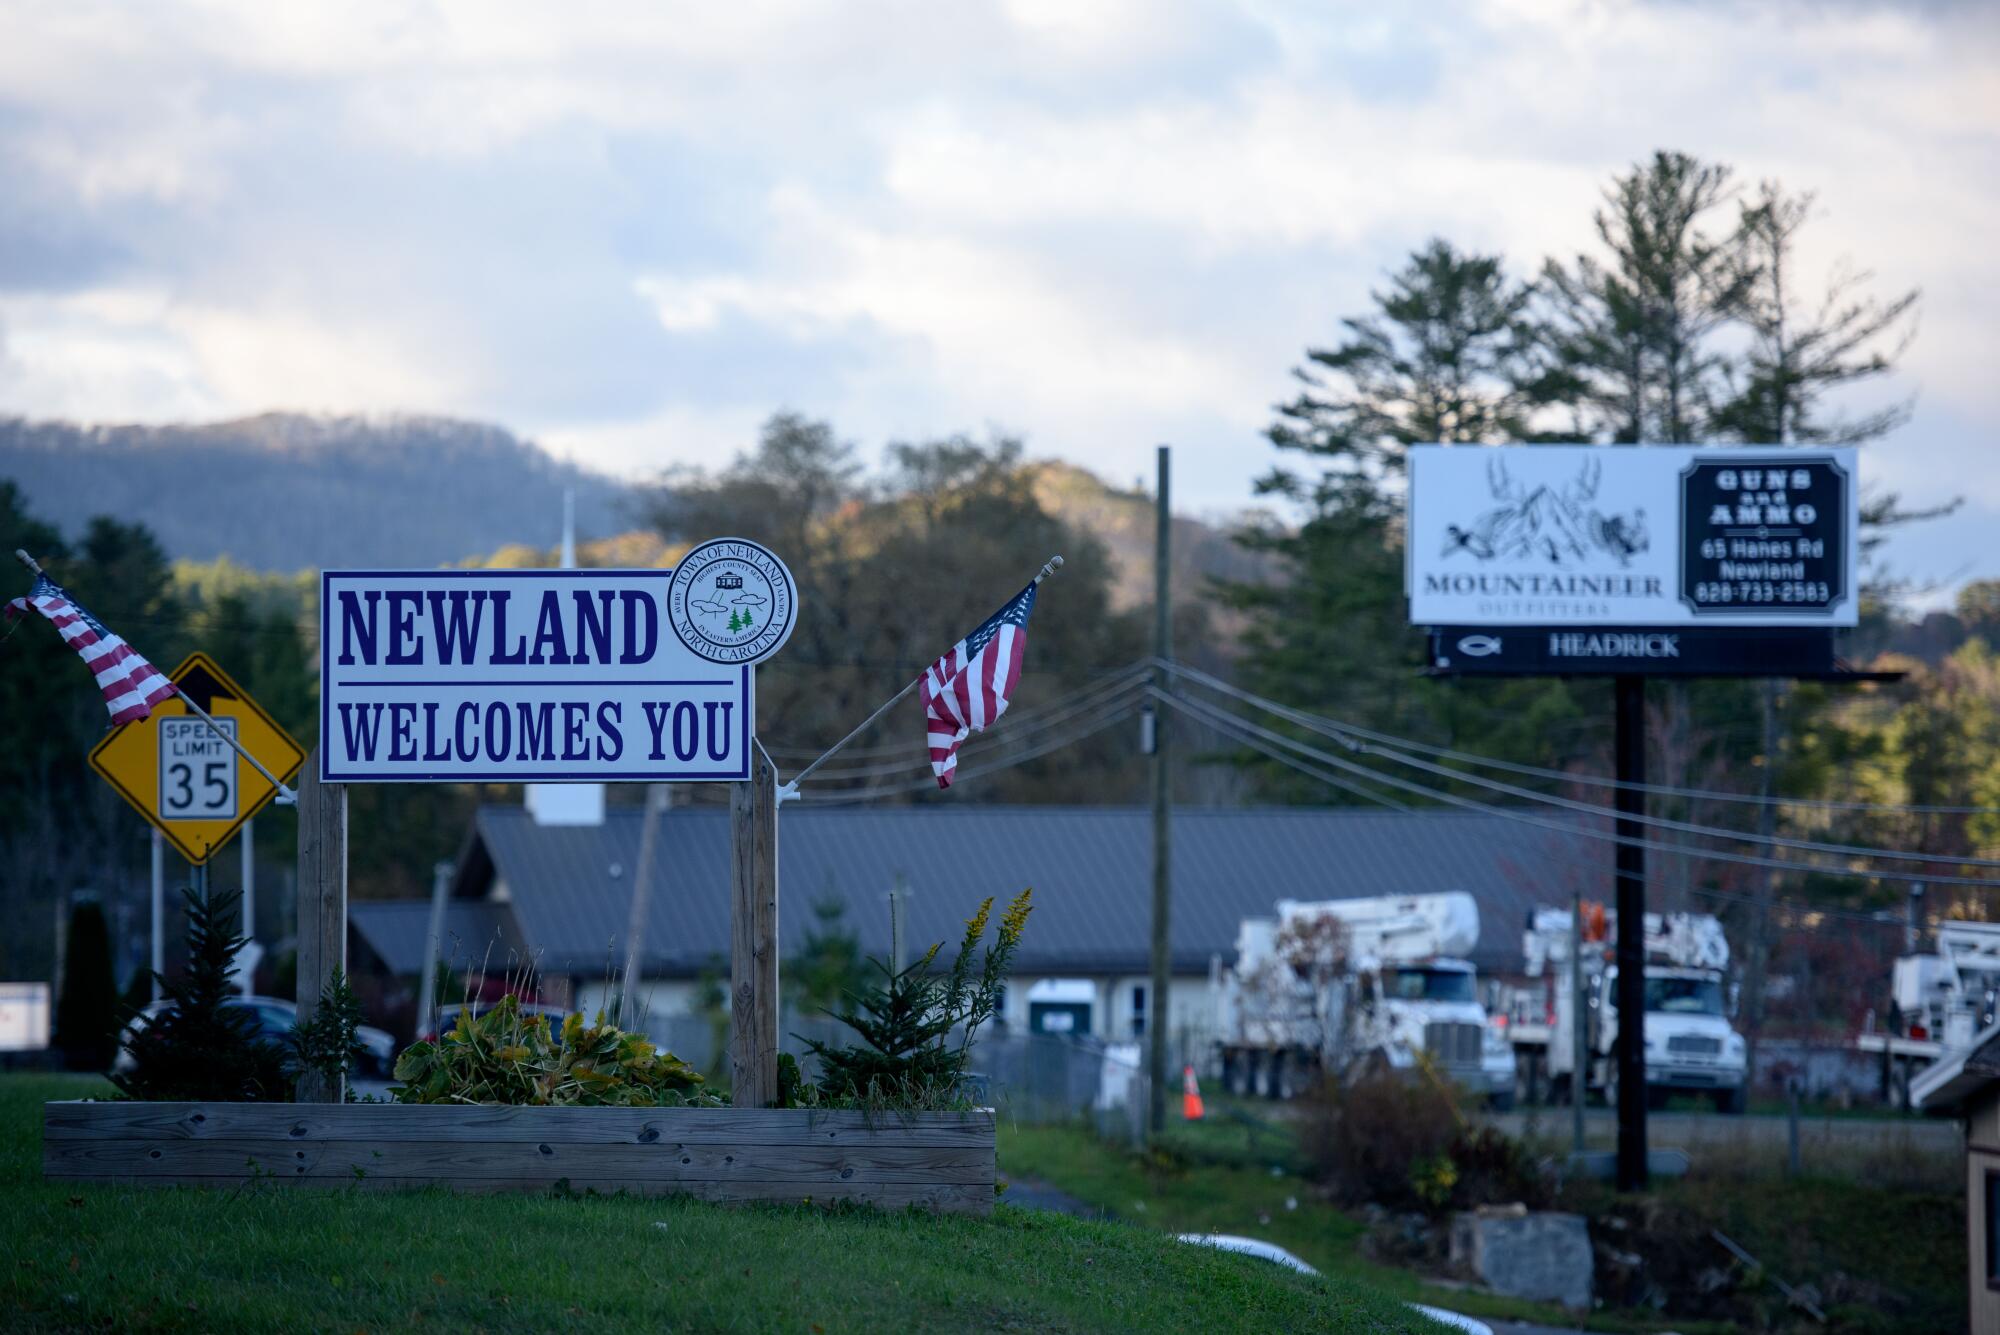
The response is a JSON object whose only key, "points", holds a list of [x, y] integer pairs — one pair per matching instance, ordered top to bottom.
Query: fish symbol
{"points": [[1479, 646]]}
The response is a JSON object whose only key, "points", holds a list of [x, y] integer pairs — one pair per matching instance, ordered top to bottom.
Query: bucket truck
{"points": [[1330, 985], [1938, 1001], [1690, 1046]]}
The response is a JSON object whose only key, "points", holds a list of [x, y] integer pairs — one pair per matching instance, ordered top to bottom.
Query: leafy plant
{"points": [[330, 1041], [201, 1046], [506, 1057], [906, 1057], [1400, 1141], [1432, 1179]]}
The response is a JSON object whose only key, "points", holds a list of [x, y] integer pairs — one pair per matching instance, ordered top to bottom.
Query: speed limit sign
{"points": [[197, 770], [191, 784]]}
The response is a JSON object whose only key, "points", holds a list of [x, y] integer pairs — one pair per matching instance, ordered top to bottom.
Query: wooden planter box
{"points": [[939, 1161]]}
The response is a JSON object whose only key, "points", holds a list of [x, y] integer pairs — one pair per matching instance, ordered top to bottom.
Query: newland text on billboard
{"points": [[1651, 535], [489, 676]]}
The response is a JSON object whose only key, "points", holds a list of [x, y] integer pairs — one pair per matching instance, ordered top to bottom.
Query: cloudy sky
{"points": [[633, 230]]}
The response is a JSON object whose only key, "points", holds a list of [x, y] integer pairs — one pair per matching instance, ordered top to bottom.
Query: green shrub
{"points": [[202, 1048], [504, 1056], [906, 1057], [1367, 1139], [1400, 1141]]}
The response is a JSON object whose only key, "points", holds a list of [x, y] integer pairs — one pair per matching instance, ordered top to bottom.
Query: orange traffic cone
{"points": [[1190, 1095]]}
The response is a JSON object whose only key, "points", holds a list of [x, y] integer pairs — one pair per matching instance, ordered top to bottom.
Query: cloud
{"points": [[632, 232], [749, 600]]}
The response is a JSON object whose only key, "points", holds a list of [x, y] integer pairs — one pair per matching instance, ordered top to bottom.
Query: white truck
{"points": [[1331, 984], [1938, 1000], [1690, 1046]]}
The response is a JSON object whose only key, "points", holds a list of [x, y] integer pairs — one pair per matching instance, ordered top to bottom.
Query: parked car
{"points": [[276, 1018]]}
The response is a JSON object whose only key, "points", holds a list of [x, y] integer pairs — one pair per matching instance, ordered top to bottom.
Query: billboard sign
{"points": [[1655, 535], [1612, 651], [548, 676]]}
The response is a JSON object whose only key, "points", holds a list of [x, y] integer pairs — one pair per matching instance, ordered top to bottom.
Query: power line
{"points": [[1051, 713], [1116, 713], [1018, 717], [1047, 717], [1325, 728], [1312, 771], [1593, 780], [1436, 794], [1878, 919]]}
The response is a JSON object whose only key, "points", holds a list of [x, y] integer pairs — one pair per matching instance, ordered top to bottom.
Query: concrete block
{"points": [[1543, 1256]]}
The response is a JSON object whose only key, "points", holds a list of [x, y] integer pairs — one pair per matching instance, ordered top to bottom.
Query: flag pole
{"points": [[789, 791], [286, 797]]}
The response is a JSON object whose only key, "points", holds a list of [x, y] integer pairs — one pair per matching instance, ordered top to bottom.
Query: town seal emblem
{"points": [[732, 601]]}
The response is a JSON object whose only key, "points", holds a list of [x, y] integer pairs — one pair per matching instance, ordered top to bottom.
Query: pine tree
{"points": [[1633, 334], [1804, 349], [1447, 354], [86, 1014], [329, 1043], [201, 1046]]}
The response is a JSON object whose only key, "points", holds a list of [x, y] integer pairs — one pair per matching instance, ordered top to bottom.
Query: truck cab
{"points": [[1430, 1010], [1690, 1045]]}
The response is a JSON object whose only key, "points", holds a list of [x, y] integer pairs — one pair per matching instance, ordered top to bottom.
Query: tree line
{"points": [[1689, 321]]}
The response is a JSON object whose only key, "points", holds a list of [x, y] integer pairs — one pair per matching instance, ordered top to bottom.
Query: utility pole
{"points": [[1163, 649], [1630, 744], [657, 801], [248, 840], [899, 907], [1760, 919], [433, 949], [1579, 1049]]}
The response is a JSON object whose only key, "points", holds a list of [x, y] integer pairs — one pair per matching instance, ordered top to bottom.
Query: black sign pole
{"points": [[1629, 742]]}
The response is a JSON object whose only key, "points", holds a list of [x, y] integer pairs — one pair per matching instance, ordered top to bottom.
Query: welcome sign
{"points": [[1650, 535], [540, 676]]}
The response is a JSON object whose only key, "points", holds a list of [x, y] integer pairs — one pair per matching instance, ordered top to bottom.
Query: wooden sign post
{"points": [[322, 910], [753, 935]]}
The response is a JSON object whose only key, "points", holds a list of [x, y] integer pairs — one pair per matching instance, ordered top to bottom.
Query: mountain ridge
{"points": [[284, 492]]}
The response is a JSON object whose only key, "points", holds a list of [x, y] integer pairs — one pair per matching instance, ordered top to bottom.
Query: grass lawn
{"points": [[1219, 1178], [273, 1258], [1885, 1259]]}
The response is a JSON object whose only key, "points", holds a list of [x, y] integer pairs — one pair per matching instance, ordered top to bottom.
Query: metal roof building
{"points": [[563, 893]]}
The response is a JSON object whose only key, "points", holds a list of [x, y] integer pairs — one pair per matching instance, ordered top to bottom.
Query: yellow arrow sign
{"points": [[188, 782]]}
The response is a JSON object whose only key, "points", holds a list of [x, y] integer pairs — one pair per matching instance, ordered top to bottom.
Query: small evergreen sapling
{"points": [[330, 1042], [201, 1046], [906, 1055]]}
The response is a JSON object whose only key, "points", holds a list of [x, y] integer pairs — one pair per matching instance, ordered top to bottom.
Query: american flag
{"points": [[131, 685], [966, 690]]}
